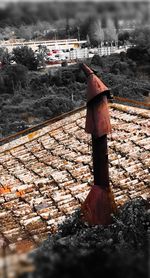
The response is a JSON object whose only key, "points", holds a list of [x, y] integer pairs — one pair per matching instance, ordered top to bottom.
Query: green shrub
{"points": [[139, 54], [24, 55], [122, 56], [97, 60], [115, 68], [124, 68], [145, 69], [13, 76]]}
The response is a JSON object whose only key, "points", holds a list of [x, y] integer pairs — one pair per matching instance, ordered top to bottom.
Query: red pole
{"points": [[100, 161], [99, 204]]}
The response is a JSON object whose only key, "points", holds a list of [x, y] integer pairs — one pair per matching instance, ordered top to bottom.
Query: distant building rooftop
{"points": [[46, 174]]}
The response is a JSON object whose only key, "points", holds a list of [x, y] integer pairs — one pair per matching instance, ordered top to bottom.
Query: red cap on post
{"points": [[95, 87], [97, 119]]}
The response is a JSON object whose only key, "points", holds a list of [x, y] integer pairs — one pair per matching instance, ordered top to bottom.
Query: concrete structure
{"points": [[51, 44]]}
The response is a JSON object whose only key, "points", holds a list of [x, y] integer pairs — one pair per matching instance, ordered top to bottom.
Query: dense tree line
{"points": [[21, 13], [66, 19]]}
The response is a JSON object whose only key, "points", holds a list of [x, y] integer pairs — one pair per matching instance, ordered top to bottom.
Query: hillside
{"points": [[29, 98]]}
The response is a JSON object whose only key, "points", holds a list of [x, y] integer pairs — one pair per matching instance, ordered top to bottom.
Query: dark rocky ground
{"points": [[78, 250]]}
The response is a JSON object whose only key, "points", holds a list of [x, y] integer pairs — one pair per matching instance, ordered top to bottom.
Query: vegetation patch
{"points": [[30, 97], [80, 250]]}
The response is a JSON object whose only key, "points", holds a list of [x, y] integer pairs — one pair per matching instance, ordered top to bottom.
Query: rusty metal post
{"points": [[100, 161], [99, 204]]}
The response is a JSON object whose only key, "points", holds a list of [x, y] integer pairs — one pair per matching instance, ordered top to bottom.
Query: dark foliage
{"points": [[124, 36], [139, 54], [25, 55], [122, 56], [97, 60], [124, 65], [145, 69], [11, 77], [63, 77], [37, 82], [35, 96], [80, 250]]}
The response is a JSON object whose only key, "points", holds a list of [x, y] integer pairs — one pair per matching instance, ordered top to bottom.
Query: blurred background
{"points": [[59, 19]]}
